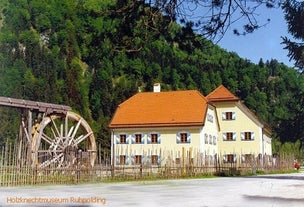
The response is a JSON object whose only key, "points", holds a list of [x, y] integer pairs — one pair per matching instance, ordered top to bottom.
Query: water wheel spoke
{"points": [[55, 126], [76, 129], [67, 138], [81, 138], [47, 139], [53, 160], [60, 162]]}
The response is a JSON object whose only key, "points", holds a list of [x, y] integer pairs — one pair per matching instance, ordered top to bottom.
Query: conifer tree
{"points": [[294, 15]]}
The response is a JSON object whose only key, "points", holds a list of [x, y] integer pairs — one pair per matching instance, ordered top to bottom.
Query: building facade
{"points": [[184, 127], [243, 136]]}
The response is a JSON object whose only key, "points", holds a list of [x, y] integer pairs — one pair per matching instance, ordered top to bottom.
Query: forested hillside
{"points": [[94, 54]]}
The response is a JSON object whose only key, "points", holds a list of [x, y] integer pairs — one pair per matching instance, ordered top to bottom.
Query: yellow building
{"points": [[183, 127], [242, 136]]}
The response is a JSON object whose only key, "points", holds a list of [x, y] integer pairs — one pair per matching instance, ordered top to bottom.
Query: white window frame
{"points": [[224, 116], [225, 136], [178, 137], [243, 137], [117, 138], [134, 138], [149, 138], [225, 158]]}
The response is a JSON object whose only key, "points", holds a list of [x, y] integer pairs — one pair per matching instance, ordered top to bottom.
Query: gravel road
{"points": [[261, 191]]}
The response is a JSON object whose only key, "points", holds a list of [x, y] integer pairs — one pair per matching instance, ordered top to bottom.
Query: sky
{"points": [[264, 43]]}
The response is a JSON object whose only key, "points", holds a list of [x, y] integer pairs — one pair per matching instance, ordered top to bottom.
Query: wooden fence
{"points": [[14, 174]]}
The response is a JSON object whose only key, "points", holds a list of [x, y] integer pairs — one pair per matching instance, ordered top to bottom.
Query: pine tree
{"points": [[294, 15]]}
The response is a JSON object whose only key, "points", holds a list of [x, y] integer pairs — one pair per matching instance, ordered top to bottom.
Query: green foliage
{"points": [[294, 17], [94, 54]]}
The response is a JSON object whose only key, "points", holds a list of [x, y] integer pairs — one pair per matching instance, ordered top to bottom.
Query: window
{"points": [[228, 115], [210, 118], [229, 136], [247, 136], [183, 137], [138, 138], [153, 138], [206, 138], [123, 139], [210, 139], [214, 140], [229, 158], [246, 158], [122, 159], [138, 159], [154, 159], [177, 161]]}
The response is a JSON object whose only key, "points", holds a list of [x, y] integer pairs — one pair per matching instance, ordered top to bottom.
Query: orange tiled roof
{"points": [[221, 93], [175, 108]]}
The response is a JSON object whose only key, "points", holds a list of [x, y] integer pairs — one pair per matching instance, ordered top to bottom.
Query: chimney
{"points": [[156, 87]]}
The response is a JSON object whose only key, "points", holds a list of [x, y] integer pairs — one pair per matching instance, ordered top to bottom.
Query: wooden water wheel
{"points": [[63, 140]]}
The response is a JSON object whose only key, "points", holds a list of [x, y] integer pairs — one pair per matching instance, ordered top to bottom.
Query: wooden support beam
{"points": [[34, 105]]}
